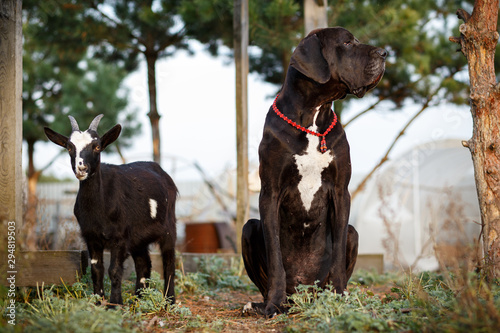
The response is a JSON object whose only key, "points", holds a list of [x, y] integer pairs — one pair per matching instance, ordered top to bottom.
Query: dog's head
{"points": [[334, 54]]}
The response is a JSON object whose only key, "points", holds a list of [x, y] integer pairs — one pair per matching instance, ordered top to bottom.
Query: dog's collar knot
{"points": [[303, 129]]}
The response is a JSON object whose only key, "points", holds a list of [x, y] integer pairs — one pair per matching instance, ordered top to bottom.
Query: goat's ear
{"points": [[308, 59], [110, 136], [55, 137]]}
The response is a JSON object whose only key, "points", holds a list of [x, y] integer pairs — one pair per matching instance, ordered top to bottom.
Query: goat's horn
{"points": [[95, 123], [74, 124]]}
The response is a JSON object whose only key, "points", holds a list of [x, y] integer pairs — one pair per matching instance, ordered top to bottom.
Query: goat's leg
{"points": [[167, 246], [118, 256], [142, 263], [96, 267]]}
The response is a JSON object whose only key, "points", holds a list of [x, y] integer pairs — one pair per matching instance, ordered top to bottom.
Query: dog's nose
{"points": [[381, 52]]}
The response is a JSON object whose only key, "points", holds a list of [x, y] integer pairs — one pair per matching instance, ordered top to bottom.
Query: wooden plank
{"points": [[11, 112], [188, 261], [365, 261], [369, 262], [49, 267]]}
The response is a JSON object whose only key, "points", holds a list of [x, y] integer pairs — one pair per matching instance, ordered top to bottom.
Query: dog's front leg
{"points": [[339, 220], [276, 273]]}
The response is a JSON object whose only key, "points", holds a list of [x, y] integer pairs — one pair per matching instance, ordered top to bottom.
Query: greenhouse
{"points": [[419, 205]]}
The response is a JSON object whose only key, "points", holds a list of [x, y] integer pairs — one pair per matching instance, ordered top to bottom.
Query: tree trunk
{"points": [[315, 15], [478, 38], [285, 60], [153, 115], [30, 217]]}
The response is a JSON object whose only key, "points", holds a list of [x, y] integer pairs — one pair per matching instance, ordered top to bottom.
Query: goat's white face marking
{"points": [[80, 140], [310, 165], [153, 205], [93, 261]]}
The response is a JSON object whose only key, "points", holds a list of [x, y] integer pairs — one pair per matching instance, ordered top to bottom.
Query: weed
{"points": [[213, 274], [370, 278], [189, 282], [457, 301], [423, 302], [75, 308], [326, 310], [67, 313]]}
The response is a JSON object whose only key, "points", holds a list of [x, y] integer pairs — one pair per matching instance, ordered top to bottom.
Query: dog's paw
{"points": [[248, 309], [253, 309], [272, 310]]}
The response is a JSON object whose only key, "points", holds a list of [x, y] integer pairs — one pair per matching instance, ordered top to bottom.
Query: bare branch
{"points": [[463, 15], [371, 107], [401, 133], [52, 161]]}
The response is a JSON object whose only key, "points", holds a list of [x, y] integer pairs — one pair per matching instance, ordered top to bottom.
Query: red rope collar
{"points": [[303, 129]]}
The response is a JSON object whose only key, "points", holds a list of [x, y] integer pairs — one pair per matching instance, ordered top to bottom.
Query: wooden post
{"points": [[315, 15], [240, 27], [11, 72]]}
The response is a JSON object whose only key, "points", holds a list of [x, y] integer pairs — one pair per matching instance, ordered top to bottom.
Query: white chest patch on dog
{"points": [[310, 165]]}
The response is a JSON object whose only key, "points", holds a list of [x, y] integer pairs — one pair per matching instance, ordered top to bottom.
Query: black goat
{"points": [[123, 208]]}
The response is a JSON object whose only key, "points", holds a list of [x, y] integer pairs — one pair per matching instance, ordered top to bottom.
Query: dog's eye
{"points": [[348, 43]]}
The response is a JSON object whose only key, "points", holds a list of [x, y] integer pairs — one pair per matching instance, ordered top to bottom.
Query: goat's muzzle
{"points": [[81, 172]]}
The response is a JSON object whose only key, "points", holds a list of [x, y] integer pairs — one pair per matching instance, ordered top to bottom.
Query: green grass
{"points": [[213, 274], [425, 302], [76, 309]]}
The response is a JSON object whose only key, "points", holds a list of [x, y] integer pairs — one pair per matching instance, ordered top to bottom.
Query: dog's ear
{"points": [[308, 59]]}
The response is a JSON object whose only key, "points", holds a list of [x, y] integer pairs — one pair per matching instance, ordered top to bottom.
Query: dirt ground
{"points": [[223, 313]]}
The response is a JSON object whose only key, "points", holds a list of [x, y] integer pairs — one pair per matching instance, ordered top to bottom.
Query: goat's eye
{"points": [[347, 43], [97, 148]]}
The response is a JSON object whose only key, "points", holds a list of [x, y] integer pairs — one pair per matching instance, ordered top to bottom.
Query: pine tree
{"points": [[147, 27], [59, 80]]}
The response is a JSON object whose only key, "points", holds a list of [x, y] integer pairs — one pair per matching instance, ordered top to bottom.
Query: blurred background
{"points": [[166, 67]]}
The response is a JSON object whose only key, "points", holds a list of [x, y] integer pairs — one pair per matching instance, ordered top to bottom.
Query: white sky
{"points": [[197, 105]]}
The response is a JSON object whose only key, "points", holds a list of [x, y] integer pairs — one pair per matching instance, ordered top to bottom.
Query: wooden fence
{"points": [[55, 267]]}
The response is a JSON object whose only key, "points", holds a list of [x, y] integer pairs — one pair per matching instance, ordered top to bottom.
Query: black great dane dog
{"points": [[303, 236]]}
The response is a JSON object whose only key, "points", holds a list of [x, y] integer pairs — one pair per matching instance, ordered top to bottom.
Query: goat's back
{"points": [[141, 176], [134, 194]]}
